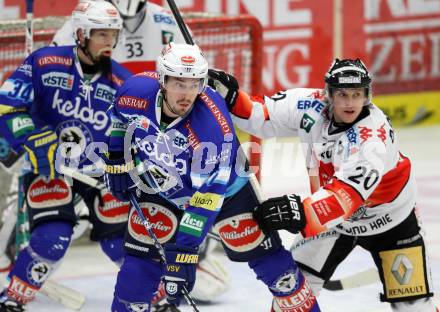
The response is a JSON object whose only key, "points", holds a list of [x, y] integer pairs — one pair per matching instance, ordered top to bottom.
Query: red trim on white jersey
{"points": [[244, 105], [392, 183]]}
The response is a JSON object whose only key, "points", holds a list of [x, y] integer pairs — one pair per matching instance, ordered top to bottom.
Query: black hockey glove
{"points": [[225, 84], [281, 213]]}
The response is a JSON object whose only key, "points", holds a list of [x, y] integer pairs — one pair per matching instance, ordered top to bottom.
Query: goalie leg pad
{"points": [[48, 244], [113, 248], [212, 279], [137, 282], [286, 282]]}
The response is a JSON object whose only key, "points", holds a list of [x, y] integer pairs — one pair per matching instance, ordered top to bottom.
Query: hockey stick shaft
{"points": [[29, 26], [182, 26], [189, 40], [81, 177], [10, 218], [157, 244], [360, 279], [67, 296]]}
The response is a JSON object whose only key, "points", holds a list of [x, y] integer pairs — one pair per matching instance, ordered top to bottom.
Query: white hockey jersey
{"points": [[141, 41], [365, 185]]}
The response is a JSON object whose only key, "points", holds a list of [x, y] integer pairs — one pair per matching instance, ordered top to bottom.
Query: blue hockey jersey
{"points": [[49, 88], [191, 162]]}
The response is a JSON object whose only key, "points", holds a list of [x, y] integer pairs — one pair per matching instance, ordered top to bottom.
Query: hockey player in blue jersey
{"points": [[54, 106], [178, 134]]}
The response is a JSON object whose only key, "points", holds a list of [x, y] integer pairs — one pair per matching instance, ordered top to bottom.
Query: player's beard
{"points": [[103, 64]]}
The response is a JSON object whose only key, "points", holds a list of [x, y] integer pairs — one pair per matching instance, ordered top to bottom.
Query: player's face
{"points": [[102, 41], [180, 94], [347, 104]]}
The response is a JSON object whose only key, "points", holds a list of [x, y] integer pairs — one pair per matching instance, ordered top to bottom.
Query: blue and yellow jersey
{"points": [[49, 88], [191, 162]]}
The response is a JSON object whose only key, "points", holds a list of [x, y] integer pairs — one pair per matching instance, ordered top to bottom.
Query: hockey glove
{"points": [[225, 84], [41, 145], [117, 177], [281, 213], [180, 270]]}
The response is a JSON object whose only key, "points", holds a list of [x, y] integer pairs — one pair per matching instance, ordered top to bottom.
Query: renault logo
{"points": [[402, 269]]}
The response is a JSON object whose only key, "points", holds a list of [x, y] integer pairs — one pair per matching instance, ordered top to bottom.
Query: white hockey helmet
{"points": [[128, 8], [89, 14], [184, 61]]}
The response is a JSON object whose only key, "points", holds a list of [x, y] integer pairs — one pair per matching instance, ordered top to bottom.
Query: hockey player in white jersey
{"points": [[148, 27], [363, 192]]}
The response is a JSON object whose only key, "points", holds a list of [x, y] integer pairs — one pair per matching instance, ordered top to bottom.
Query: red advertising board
{"points": [[297, 38], [398, 39], [403, 41]]}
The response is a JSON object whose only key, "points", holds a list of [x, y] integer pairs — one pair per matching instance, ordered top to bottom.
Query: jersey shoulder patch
{"points": [[60, 57], [211, 116]]}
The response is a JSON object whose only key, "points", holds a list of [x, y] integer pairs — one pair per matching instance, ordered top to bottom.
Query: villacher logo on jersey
{"points": [[48, 193], [113, 210], [162, 221], [240, 233]]}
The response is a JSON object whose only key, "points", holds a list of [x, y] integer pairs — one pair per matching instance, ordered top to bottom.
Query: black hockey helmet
{"points": [[348, 74]]}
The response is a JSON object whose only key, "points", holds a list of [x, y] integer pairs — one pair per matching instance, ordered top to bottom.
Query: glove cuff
{"points": [[118, 166], [181, 254]]}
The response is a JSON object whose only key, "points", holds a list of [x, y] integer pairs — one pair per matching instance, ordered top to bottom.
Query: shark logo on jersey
{"points": [[361, 214]]}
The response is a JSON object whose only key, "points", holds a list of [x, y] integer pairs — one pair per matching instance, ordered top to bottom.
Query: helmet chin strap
{"points": [[86, 51], [167, 104]]}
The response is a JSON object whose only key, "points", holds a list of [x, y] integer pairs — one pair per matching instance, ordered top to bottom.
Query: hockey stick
{"points": [[179, 20], [29, 26], [189, 40], [81, 177], [158, 246], [360, 279], [67, 296]]}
